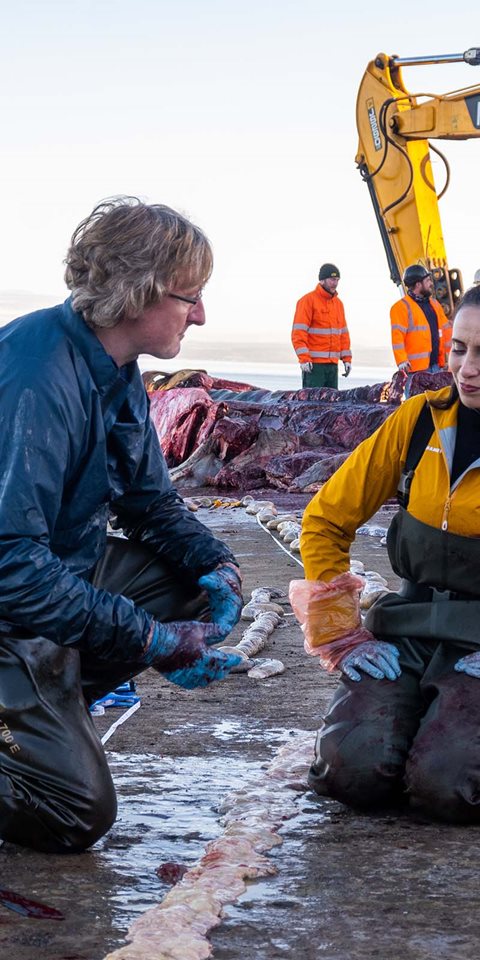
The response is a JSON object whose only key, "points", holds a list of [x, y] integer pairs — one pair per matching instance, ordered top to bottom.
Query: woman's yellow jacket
{"points": [[370, 477]]}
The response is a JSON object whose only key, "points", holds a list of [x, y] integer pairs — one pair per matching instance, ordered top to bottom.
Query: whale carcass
{"points": [[236, 436]]}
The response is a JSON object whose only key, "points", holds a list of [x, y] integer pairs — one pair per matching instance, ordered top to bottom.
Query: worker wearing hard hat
{"points": [[420, 328]]}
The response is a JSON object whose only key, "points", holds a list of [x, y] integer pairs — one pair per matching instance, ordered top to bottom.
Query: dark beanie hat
{"points": [[328, 270]]}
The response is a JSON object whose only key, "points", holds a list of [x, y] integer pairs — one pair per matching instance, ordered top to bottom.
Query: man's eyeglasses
{"points": [[192, 300]]}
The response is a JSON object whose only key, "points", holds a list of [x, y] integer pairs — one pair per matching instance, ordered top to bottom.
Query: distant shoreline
{"points": [[267, 352]]}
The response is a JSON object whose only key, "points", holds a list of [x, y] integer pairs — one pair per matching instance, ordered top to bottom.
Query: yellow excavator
{"points": [[395, 128]]}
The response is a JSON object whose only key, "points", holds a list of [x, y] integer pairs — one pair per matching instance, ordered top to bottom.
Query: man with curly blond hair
{"points": [[81, 612]]}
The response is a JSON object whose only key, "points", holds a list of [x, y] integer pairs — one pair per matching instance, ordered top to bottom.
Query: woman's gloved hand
{"points": [[223, 587], [329, 614], [180, 652], [378, 659], [469, 664]]}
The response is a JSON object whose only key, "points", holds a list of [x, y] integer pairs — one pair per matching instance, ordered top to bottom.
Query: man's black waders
{"points": [[416, 738], [56, 791]]}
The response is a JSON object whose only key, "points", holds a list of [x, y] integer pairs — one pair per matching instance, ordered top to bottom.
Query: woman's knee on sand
{"points": [[362, 747], [360, 767], [443, 768], [440, 778], [443, 780]]}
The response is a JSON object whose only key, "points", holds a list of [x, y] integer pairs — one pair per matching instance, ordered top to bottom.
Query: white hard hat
{"points": [[476, 278]]}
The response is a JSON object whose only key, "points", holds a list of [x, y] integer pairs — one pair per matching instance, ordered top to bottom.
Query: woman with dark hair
{"points": [[404, 723]]}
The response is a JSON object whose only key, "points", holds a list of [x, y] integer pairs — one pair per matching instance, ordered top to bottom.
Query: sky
{"points": [[239, 114]]}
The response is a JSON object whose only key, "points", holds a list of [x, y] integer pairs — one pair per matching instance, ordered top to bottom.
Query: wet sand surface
{"points": [[347, 886]]}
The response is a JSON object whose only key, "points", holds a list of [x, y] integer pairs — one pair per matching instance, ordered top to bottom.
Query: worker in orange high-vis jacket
{"points": [[420, 330], [320, 334]]}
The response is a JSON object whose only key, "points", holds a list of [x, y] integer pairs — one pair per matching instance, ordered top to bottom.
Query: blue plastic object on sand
{"points": [[123, 696]]}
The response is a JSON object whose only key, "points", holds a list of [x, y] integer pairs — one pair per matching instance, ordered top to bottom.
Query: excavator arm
{"points": [[395, 128]]}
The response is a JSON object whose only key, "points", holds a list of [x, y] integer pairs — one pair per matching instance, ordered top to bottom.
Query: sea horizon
{"points": [[269, 376]]}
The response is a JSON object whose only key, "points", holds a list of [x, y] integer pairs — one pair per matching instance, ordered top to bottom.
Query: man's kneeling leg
{"points": [[56, 791]]}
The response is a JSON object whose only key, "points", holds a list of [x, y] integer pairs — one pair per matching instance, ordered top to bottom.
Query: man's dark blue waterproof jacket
{"points": [[76, 444]]}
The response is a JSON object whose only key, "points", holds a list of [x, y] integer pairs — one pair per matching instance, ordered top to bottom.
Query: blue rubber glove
{"points": [[223, 587], [180, 652], [378, 659], [469, 664]]}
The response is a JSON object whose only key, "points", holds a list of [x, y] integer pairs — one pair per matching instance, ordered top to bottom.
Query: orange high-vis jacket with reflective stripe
{"points": [[320, 333], [411, 337]]}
